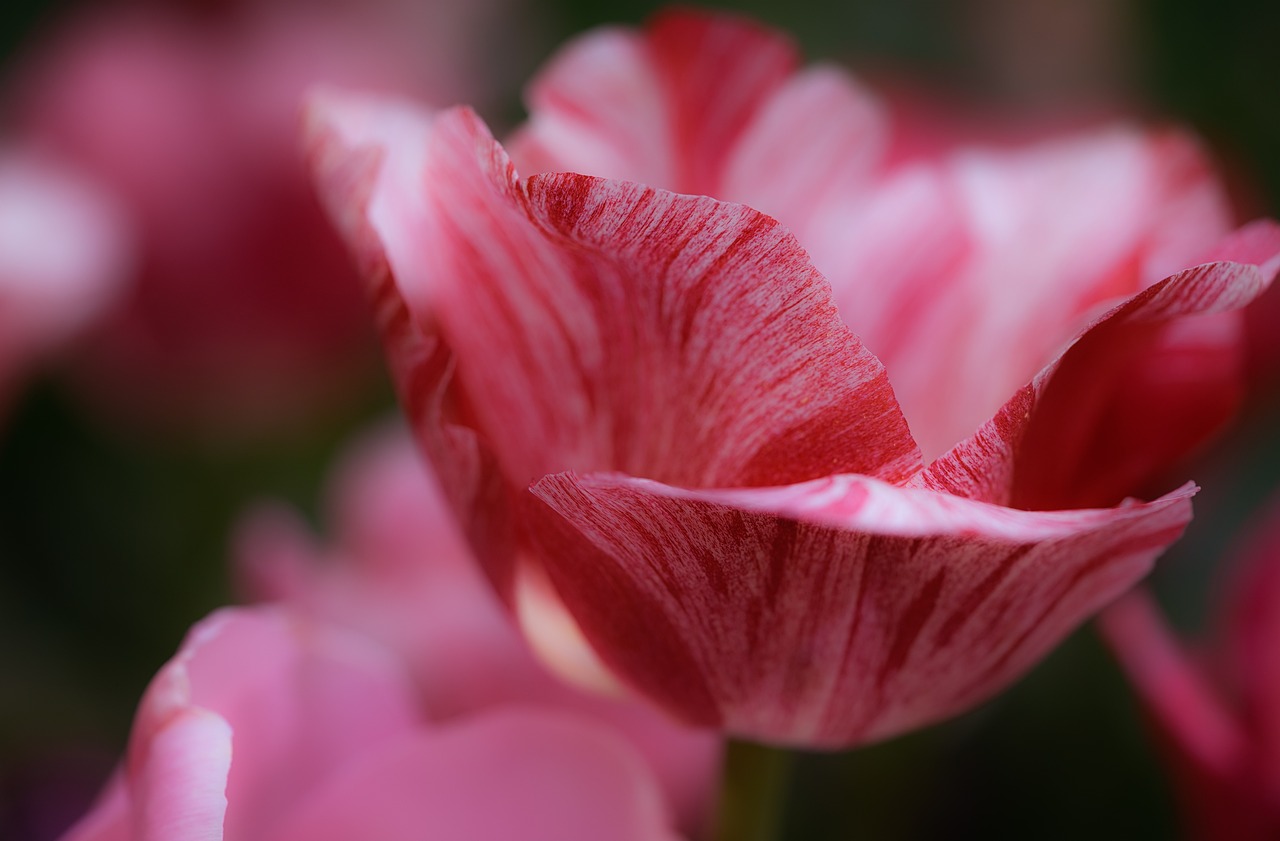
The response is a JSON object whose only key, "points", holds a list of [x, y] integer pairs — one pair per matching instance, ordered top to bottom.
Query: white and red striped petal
{"points": [[684, 339], [1140, 388], [833, 612]]}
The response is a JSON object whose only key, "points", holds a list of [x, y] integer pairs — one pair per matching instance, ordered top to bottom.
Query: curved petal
{"points": [[706, 104], [663, 107], [354, 145], [807, 148], [1054, 229], [893, 251], [684, 339], [1140, 388], [833, 612], [1172, 688], [300, 701], [1221, 757], [531, 776], [179, 789]]}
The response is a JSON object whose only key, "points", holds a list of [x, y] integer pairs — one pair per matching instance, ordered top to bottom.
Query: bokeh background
{"points": [[113, 538]]}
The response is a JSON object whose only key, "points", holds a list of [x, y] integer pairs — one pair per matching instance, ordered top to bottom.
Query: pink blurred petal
{"points": [[704, 104], [664, 107], [189, 118], [815, 143], [1055, 229], [64, 254], [274, 556], [836, 611], [1171, 686], [300, 701], [1217, 719], [326, 744], [507, 775], [179, 785]]}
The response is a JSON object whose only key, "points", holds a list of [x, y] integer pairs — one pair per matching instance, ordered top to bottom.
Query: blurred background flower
{"points": [[63, 260], [243, 317], [113, 541], [1214, 704], [267, 726]]}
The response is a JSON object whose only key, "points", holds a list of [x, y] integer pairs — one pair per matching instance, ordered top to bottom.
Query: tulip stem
{"points": [[754, 792]]}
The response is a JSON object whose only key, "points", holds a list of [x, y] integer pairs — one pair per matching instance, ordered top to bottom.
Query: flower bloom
{"points": [[63, 259], [245, 314], [653, 410], [397, 570], [1218, 717], [270, 727]]}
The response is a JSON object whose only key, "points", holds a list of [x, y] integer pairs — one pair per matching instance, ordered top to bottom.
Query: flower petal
{"points": [[706, 104], [663, 107], [361, 148], [807, 148], [1054, 229], [684, 339], [1140, 388], [832, 612], [1172, 687], [299, 699], [532, 776], [179, 789]]}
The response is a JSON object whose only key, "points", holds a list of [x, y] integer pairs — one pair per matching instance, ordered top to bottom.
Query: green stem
{"points": [[754, 792]]}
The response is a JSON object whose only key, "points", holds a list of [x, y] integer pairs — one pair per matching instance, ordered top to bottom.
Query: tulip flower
{"points": [[63, 259], [245, 316], [655, 418], [397, 570], [1215, 707], [270, 727]]}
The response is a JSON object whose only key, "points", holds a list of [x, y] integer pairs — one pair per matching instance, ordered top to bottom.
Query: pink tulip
{"points": [[63, 259], [246, 315], [647, 405], [399, 571], [1216, 708], [268, 727]]}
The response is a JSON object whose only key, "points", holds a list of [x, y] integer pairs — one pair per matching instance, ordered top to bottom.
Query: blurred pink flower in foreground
{"points": [[63, 259], [246, 314], [649, 414], [399, 572], [1216, 711], [269, 727]]}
